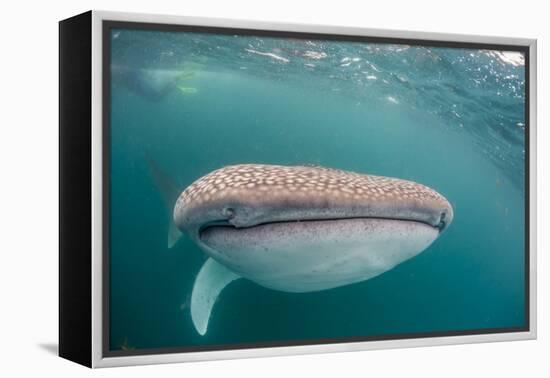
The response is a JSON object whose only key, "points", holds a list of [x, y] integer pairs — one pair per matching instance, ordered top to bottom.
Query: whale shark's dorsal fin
{"points": [[170, 192], [211, 280]]}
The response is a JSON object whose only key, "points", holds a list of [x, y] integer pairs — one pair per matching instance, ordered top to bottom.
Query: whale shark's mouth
{"points": [[211, 226]]}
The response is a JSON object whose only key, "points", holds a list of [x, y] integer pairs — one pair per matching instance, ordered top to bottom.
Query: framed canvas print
{"points": [[234, 189]]}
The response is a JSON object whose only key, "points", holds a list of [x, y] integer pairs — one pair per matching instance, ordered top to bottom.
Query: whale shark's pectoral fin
{"points": [[169, 191], [174, 234], [210, 281]]}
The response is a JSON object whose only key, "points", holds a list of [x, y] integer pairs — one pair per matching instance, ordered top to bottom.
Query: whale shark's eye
{"points": [[229, 212], [442, 222]]}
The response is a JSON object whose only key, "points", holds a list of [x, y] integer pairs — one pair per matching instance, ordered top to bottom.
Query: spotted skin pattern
{"points": [[237, 179], [303, 192]]}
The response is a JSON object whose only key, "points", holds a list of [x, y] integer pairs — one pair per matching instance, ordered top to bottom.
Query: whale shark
{"points": [[299, 229]]}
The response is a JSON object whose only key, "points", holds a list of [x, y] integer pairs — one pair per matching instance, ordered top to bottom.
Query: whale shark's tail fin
{"points": [[170, 192], [210, 281]]}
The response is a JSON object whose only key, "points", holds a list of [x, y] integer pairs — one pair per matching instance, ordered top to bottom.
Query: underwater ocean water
{"points": [[450, 118]]}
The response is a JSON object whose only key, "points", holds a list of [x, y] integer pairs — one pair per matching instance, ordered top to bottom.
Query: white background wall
{"points": [[28, 185]]}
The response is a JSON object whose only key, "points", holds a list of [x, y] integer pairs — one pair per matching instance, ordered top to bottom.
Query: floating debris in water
{"points": [[187, 304], [125, 346]]}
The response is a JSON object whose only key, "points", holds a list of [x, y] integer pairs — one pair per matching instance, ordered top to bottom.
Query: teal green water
{"points": [[452, 119]]}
